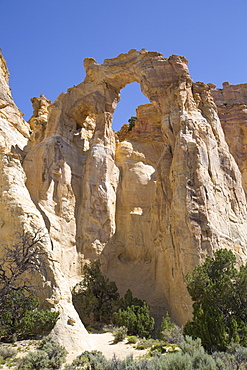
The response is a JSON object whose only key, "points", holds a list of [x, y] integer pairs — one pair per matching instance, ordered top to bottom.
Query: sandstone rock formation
{"points": [[231, 104], [152, 202], [19, 213]]}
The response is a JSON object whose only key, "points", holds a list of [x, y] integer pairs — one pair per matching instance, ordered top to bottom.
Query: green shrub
{"points": [[132, 122], [128, 300], [14, 308], [21, 319], [136, 319], [38, 322], [166, 323], [109, 328], [169, 331], [120, 334], [174, 335], [132, 339], [146, 343], [140, 346], [191, 346], [157, 348], [7, 352], [56, 353], [240, 353], [50, 355], [198, 357], [235, 358], [34, 360], [89, 361], [178, 361], [203, 361], [225, 361], [129, 364]]}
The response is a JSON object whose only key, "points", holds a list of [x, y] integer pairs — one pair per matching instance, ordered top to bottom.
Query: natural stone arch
{"points": [[155, 74], [131, 97], [188, 169]]}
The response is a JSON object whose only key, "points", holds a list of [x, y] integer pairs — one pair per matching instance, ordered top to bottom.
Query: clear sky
{"points": [[45, 42]]}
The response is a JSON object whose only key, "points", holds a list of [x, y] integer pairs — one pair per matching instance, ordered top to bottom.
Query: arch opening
{"points": [[131, 98]]}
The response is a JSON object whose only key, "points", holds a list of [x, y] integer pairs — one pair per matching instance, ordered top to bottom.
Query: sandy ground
{"points": [[105, 344]]}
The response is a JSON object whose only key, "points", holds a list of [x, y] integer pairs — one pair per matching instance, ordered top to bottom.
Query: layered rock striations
{"points": [[150, 202]]}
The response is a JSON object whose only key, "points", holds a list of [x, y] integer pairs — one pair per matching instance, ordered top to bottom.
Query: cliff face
{"points": [[231, 104], [150, 202], [19, 213]]}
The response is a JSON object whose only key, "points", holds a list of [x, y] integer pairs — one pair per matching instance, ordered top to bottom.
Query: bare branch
{"points": [[26, 255]]}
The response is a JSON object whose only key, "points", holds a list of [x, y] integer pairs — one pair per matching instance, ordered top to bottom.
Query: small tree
{"points": [[132, 122], [24, 256], [219, 293], [95, 294], [128, 300], [18, 305]]}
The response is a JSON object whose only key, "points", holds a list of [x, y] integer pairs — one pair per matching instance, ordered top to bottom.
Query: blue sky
{"points": [[45, 42]]}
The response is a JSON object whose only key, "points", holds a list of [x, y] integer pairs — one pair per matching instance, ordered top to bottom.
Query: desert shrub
{"points": [[132, 122], [219, 293], [136, 319], [109, 328], [169, 331], [120, 333], [174, 335], [132, 339], [146, 343], [141, 346], [191, 346], [156, 349], [7, 352], [56, 353], [240, 353], [50, 355], [192, 356], [198, 357], [234, 358], [34, 360], [89, 361], [178, 361], [184, 361], [203, 361], [225, 361], [130, 364]]}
